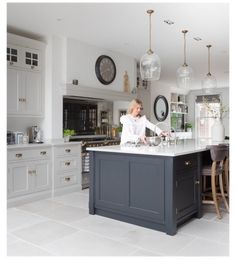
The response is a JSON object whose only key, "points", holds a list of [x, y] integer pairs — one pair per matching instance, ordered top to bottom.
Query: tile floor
{"points": [[62, 227]]}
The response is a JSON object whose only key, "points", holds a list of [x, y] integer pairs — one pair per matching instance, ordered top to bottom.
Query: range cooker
{"points": [[91, 141]]}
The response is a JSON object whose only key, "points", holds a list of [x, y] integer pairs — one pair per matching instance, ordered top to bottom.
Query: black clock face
{"points": [[105, 69]]}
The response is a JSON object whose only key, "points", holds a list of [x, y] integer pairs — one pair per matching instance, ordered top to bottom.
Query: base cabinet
{"points": [[67, 167], [29, 172], [187, 184], [157, 192]]}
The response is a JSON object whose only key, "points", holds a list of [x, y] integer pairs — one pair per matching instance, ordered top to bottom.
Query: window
{"points": [[203, 118]]}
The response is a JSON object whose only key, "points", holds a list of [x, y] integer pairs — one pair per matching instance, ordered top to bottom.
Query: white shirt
{"points": [[134, 127]]}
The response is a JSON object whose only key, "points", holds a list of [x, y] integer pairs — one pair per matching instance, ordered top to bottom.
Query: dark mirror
{"points": [[161, 108]]}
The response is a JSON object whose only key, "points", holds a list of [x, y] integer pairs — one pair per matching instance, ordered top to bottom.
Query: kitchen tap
{"points": [[167, 139]]}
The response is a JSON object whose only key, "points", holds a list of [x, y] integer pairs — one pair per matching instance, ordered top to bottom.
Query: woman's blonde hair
{"points": [[132, 104]]}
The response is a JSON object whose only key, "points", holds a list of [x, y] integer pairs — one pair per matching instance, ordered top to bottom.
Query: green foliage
{"points": [[188, 125], [119, 129], [68, 132]]}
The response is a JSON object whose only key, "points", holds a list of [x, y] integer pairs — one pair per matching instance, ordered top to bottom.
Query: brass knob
{"points": [[67, 150], [67, 163], [67, 179], [197, 182]]}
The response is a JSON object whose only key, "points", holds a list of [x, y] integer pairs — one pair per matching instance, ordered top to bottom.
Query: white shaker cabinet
{"points": [[25, 77], [24, 93], [67, 167], [29, 172]]}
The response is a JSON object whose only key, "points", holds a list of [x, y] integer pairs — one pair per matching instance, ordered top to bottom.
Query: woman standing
{"points": [[134, 125]]}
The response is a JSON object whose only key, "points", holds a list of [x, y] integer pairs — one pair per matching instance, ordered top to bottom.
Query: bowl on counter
{"points": [[153, 141]]}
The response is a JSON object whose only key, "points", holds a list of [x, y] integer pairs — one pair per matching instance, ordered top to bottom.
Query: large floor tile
{"points": [[76, 199], [37, 206], [65, 214], [17, 219], [104, 226], [211, 230], [44, 232], [11, 239], [156, 241], [83, 243], [204, 247], [21, 248], [142, 252]]}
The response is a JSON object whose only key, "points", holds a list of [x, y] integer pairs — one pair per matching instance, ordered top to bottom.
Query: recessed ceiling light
{"points": [[169, 22], [197, 38]]}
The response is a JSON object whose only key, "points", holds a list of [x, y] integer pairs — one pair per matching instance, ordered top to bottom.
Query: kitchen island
{"points": [[154, 187]]}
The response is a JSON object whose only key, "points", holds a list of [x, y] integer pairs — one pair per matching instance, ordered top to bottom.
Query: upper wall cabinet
{"points": [[22, 57], [25, 77]]}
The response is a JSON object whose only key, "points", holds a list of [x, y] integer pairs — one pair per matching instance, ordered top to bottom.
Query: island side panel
{"points": [[91, 182], [130, 188], [170, 197]]}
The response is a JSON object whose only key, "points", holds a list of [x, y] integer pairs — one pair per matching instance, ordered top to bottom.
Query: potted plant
{"points": [[188, 127], [119, 130], [67, 133]]}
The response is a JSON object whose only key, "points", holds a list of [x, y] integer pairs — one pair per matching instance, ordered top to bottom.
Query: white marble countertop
{"points": [[49, 143], [186, 146]]}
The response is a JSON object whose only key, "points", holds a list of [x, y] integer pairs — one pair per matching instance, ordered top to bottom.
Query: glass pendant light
{"points": [[150, 64], [184, 73], [209, 82]]}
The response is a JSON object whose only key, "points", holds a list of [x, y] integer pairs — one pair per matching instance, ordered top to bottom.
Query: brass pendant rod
{"points": [[150, 31], [184, 32], [209, 61]]}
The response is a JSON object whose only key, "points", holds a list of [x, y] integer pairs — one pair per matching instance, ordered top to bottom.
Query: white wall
{"points": [[81, 59], [160, 88], [117, 106]]}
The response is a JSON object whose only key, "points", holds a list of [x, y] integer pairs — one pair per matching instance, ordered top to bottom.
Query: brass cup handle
{"points": [[67, 150], [43, 153], [18, 155], [187, 162], [67, 163], [32, 172], [67, 179]]}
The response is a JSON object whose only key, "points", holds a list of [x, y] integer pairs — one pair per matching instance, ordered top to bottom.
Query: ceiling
{"points": [[123, 27]]}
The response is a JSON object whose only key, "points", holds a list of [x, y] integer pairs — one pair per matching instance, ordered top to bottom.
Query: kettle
{"points": [[35, 134]]}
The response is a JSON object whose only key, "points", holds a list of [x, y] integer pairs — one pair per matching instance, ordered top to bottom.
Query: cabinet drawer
{"points": [[67, 150], [21, 155], [186, 162], [69, 163], [66, 179]]}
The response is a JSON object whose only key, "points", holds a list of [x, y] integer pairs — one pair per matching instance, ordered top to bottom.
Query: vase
{"points": [[218, 131]]}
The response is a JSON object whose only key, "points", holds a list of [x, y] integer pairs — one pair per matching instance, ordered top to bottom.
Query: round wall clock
{"points": [[105, 69]]}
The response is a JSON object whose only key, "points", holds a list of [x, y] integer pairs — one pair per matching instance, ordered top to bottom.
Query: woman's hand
{"points": [[164, 134], [143, 139]]}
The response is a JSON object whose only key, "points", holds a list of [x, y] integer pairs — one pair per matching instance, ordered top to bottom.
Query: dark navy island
{"points": [[154, 187]]}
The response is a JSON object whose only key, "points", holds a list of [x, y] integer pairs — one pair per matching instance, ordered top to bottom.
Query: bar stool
{"points": [[215, 170]]}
